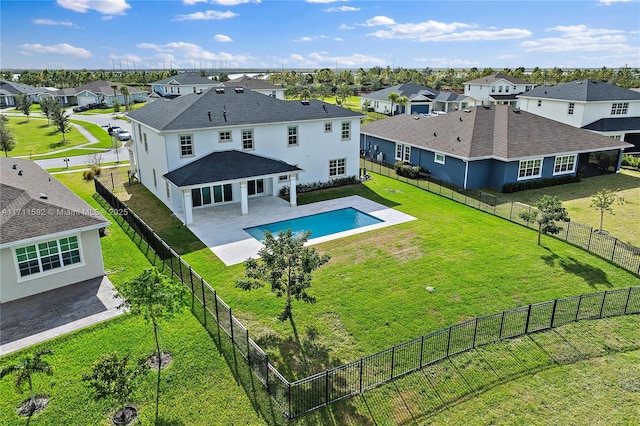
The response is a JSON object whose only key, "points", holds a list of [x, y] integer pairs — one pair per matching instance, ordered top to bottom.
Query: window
{"points": [[493, 89], [499, 89], [506, 89], [539, 102], [571, 107], [619, 108], [328, 128], [346, 130], [139, 133], [292, 135], [224, 136], [616, 137], [247, 139], [146, 146], [186, 146], [399, 150], [407, 154], [439, 158], [564, 164], [337, 167], [530, 169], [283, 178], [155, 180], [255, 187], [168, 190], [202, 196], [46, 256]]}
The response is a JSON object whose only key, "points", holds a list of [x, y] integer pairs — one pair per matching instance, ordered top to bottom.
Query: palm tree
{"points": [[125, 93], [396, 98], [24, 369]]}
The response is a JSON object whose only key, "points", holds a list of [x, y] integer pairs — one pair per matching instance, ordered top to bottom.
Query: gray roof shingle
{"points": [[188, 79], [490, 79], [251, 83], [583, 91], [231, 108], [497, 131], [229, 165], [34, 204]]}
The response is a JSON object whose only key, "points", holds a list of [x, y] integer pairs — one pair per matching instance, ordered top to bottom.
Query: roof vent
{"points": [[219, 89], [239, 89], [199, 91], [305, 102], [324, 107], [467, 110], [209, 114], [224, 114], [416, 117], [460, 118], [434, 134], [458, 138], [15, 166], [19, 172], [43, 196]]}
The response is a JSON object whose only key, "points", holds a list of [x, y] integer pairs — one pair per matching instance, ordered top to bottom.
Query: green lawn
{"points": [[372, 294]]}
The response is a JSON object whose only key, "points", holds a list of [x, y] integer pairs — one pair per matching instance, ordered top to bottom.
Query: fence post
{"points": [[511, 212], [566, 237], [589, 243], [613, 253], [191, 281], [215, 297], [604, 297], [204, 303], [626, 304], [578, 310], [553, 312], [231, 325], [501, 325], [526, 326], [475, 332], [448, 341], [421, 349], [248, 351], [393, 356], [266, 364], [360, 375], [326, 388]]}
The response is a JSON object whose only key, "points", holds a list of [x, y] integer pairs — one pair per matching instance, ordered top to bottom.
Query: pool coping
{"points": [[221, 228]]}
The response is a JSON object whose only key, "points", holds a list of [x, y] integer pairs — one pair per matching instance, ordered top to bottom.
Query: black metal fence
{"points": [[586, 237], [302, 396]]}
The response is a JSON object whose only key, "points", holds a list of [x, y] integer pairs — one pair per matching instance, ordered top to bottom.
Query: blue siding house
{"points": [[489, 146]]}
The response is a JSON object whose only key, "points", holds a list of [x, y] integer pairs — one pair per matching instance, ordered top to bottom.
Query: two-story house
{"points": [[182, 84], [257, 85], [497, 89], [420, 100], [593, 105], [226, 145]]}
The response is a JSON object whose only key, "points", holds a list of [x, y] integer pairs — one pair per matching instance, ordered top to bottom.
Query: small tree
{"points": [[124, 90], [393, 97], [23, 104], [48, 105], [61, 121], [7, 140], [603, 200], [549, 212], [286, 265], [157, 298], [24, 369], [112, 378]]}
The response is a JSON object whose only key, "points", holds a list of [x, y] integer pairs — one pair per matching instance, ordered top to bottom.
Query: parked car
{"points": [[80, 109], [112, 129], [122, 135]]}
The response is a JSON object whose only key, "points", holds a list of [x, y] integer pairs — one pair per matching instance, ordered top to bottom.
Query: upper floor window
{"points": [[493, 89], [499, 89], [506, 89], [539, 102], [571, 107], [619, 108], [328, 127], [346, 130], [292, 135], [224, 136], [247, 139], [146, 145], [186, 146], [564, 164], [529, 169], [43, 257]]}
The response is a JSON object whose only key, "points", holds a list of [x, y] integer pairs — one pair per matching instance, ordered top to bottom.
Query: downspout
{"points": [[466, 172]]}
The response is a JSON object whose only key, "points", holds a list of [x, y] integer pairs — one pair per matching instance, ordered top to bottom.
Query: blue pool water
{"points": [[319, 224]]}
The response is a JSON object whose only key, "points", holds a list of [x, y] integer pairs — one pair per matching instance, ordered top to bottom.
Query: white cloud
{"points": [[323, 1], [220, 2], [609, 2], [111, 7], [341, 9], [206, 16], [379, 20], [52, 22], [345, 27], [222, 38], [582, 38], [305, 39], [60, 49], [184, 54], [322, 59], [447, 62]]}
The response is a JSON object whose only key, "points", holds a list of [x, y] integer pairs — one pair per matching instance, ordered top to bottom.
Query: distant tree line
{"points": [[74, 78]]}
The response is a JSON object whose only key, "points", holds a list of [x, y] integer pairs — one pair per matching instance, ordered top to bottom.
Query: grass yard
{"points": [[353, 103], [372, 294]]}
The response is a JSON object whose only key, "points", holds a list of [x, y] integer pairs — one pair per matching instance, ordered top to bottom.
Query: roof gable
{"points": [[187, 79], [492, 79], [583, 91]]}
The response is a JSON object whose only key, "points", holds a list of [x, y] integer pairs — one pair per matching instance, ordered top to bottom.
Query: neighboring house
{"points": [[182, 84], [257, 85], [10, 89], [497, 89], [98, 92], [420, 100], [593, 105], [226, 145], [490, 146], [49, 237]]}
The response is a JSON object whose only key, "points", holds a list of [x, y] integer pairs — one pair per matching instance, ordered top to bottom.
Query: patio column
{"points": [[292, 191], [244, 198], [187, 205]]}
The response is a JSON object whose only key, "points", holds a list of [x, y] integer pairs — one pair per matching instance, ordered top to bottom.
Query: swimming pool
{"points": [[320, 224]]}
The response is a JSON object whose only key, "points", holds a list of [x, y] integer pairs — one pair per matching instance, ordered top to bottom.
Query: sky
{"points": [[314, 34]]}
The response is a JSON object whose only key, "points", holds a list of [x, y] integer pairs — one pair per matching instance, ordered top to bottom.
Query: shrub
{"points": [[631, 162], [96, 170], [407, 170], [88, 174], [540, 183], [314, 186]]}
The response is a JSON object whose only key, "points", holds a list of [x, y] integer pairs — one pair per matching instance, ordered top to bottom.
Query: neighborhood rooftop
{"points": [[583, 91], [224, 107]]}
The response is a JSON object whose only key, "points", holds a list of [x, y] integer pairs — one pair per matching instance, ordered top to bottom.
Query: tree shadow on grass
{"points": [[591, 275], [163, 421]]}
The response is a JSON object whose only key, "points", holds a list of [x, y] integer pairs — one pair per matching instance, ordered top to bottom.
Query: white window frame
{"points": [[571, 108], [619, 108], [328, 127], [345, 131], [292, 135], [222, 136], [247, 139], [185, 143], [146, 145], [399, 151], [406, 154], [439, 157], [562, 163], [531, 164], [337, 168], [283, 178], [155, 179], [168, 190], [58, 246]]}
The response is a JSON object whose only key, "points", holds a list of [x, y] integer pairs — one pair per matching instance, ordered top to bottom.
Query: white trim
{"points": [[436, 160], [566, 172], [538, 175], [53, 271]]}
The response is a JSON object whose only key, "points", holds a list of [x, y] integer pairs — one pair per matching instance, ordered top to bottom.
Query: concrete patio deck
{"points": [[221, 228]]}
